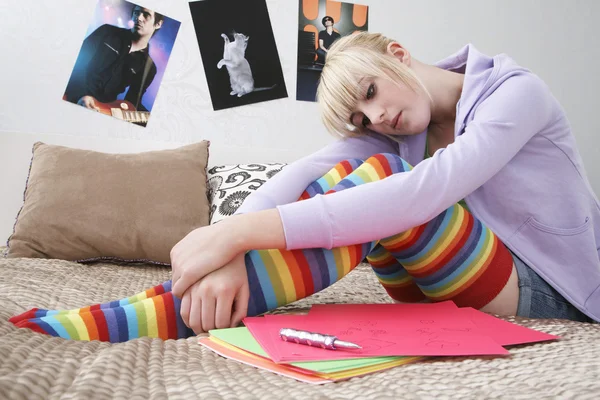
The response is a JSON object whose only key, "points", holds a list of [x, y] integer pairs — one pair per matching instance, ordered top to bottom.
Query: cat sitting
{"points": [[240, 74]]}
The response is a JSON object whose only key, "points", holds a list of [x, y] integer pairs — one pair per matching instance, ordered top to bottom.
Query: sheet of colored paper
{"points": [[378, 311], [503, 332], [434, 333], [239, 337], [243, 339], [228, 351], [259, 362], [351, 373], [335, 374]]}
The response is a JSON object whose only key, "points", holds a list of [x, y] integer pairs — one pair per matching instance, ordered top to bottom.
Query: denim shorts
{"points": [[537, 299]]}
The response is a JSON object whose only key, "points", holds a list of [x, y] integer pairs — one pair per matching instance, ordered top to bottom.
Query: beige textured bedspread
{"points": [[35, 366]]}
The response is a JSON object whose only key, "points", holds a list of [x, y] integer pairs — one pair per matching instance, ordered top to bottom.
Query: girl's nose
{"points": [[376, 115]]}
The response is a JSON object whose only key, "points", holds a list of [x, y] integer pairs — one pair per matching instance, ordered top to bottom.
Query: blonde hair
{"points": [[349, 60]]}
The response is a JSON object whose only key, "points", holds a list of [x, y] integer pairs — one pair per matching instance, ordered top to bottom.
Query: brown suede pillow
{"points": [[86, 206]]}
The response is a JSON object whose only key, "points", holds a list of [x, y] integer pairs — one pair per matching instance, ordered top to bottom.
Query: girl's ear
{"points": [[396, 50]]}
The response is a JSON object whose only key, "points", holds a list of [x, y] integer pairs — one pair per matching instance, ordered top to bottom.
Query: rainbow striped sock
{"points": [[452, 257], [393, 276], [279, 277], [41, 312], [156, 317]]}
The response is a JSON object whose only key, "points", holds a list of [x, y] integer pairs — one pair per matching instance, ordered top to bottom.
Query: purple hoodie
{"points": [[514, 161]]}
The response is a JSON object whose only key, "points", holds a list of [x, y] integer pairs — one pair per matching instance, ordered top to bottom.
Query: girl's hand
{"points": [[209, 248], [201, 252], [219, 300]]}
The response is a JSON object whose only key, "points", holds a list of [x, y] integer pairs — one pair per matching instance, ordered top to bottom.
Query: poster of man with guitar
{"points": [[122, 61]]}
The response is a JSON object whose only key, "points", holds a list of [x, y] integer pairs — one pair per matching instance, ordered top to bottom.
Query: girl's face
{"points": [[391, 109]]}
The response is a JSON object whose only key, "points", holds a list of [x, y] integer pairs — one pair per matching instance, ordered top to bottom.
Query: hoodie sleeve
{"points": [[518, 108], [291, 181]]}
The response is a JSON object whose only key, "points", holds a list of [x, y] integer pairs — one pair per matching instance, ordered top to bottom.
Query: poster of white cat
{"points": [[320, 24], [238, 50], [122, 61]]}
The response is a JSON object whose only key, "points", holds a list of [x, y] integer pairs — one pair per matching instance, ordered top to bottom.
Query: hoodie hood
{"points": [[482, 75]]}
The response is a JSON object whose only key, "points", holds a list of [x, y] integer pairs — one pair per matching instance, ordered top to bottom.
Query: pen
{"points": [[315, 339]]}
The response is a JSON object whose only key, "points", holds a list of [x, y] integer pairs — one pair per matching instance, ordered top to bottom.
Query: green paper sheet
{"points": [[243, 339]]}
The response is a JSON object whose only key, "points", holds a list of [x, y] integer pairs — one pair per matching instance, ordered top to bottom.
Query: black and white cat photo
{"points": [[238, 50], [240, 73]]}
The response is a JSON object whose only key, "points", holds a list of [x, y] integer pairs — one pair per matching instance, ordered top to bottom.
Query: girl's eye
{"points": [[371, 91], [365, 121]]}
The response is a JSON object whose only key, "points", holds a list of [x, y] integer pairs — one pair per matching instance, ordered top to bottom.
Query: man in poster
{"points": [[313, 16], [326, 38], [112, 59]]}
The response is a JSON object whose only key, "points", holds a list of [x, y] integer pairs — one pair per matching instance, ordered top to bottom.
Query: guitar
{"points": [[125, 110]]}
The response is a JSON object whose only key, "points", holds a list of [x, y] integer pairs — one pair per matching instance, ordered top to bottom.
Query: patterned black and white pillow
{"points": [[229, 185]]}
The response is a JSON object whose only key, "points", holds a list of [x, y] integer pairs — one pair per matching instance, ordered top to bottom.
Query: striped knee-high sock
{"points": [[452, 257], [390, 273], [278, 277], [393, 277], [148, 293], [156, 317]]}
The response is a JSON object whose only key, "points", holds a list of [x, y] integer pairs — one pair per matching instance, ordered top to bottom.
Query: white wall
{"points": [[39, 41]]}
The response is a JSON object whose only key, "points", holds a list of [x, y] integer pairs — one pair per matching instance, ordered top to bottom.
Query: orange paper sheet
{"points": [[229, 351], [259, 362]]}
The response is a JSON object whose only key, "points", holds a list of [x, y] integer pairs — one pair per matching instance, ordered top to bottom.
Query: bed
{"points": [[35, 366]]}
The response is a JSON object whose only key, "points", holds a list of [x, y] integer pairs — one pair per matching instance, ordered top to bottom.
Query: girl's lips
{"points": [[397, 120]]}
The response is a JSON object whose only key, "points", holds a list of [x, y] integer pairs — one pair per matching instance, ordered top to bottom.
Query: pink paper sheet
{"points": [[377, 311], [413, 332], [504, 332]]}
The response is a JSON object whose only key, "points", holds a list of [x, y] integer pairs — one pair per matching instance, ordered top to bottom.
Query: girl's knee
{"points": [[390, 162]]}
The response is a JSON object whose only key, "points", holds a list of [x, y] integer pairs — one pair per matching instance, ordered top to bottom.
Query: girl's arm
{"points": [[519, 108], [287, 186]]}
